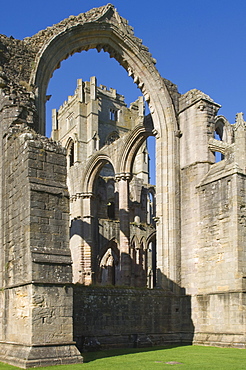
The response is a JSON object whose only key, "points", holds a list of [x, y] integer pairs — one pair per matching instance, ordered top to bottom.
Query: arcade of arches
{"points": [[182, 242]]}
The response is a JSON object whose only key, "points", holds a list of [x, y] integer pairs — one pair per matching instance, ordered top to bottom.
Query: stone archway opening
{"points": [[104, 29], [83, 66], [108, 208]]}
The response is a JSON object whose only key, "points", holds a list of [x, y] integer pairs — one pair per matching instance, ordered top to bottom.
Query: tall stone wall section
{"points": [[213, 226], [36, 294], [219, 303], [118, 317]]}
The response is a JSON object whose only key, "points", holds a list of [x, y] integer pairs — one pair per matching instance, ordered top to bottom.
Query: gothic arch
{"points": [[101, 29], [104, 29], [223, 128], [113, 136], [69, 141], [133, 142], [71, 150], [93, 167], [151, 205], [151, 237], [134, 242], [143, 243], [112, 244]]}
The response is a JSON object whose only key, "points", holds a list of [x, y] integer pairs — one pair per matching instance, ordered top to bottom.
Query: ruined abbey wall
{"points": [[200, 208], [213, 222], [154, 317]]}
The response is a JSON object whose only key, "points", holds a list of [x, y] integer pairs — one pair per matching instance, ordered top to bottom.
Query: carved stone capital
{"points": [[124, 176], [77, 196]]}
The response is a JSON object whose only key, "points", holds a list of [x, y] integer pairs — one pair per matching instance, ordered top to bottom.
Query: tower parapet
{"points": [[93, 117]]}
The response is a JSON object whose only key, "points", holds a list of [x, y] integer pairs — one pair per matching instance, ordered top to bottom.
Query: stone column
{"points": [[87, 229], [76, 240], [125, 259]]}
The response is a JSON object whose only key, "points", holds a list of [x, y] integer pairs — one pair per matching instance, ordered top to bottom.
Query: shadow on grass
{"points": [[92, 356]]}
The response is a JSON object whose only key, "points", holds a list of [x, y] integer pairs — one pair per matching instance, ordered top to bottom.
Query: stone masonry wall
{"points": [[241, 184], [16, 210], [36, 210], [213, 226], [35, 243], [217, 260], [216, 270], [36, 294], [218, 311], [130, 317], [219, 319]]}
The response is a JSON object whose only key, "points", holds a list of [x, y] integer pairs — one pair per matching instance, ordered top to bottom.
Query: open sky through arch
{"points": [[197, 44]]}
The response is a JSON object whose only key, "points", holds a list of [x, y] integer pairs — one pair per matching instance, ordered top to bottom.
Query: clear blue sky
{"points": [[198, 44]]}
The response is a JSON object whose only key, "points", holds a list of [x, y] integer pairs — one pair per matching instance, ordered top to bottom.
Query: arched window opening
{"points": [[113, 114], [218, 135], [112, 137], [70, 154], [141, 164], [139, 186], [106, 197], [104, 204], [150, 208], [111, 210], [106, 225], [133, 253], [143, 259], [151, 263], [107, 269]]}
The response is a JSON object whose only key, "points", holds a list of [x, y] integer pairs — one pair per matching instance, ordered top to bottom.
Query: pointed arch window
{"points": [[218, 135], [71, 154]]}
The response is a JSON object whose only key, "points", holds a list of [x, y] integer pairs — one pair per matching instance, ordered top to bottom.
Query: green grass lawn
{"points": [[186, 357]]}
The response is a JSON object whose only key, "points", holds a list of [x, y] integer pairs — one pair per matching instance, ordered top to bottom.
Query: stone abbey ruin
{"points": [[91, 253]]}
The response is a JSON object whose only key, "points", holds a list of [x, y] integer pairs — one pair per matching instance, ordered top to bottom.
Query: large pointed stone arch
{"points": [[101, 29], [104, 29], [132, 144], [92, 169]]}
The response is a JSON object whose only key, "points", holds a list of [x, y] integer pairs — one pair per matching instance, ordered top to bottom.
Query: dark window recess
{"points": [[113, 115], [71, 155], [111, 210]]}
